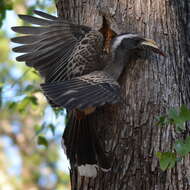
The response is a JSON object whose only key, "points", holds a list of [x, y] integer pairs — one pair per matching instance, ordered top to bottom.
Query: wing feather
{"points": [[42, 14], [34, 20], [29, 29], [25, 39], [53, 47], [24, 49], [47, 50], [94, 89]]}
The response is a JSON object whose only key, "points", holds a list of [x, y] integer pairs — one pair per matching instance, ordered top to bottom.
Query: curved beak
{"points": [[151, 44]]}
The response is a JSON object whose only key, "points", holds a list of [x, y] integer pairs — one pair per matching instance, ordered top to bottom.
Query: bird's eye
{"points": [[129, 43]]}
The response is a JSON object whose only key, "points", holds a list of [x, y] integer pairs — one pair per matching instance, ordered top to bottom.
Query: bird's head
{"points": [[132, 43]]}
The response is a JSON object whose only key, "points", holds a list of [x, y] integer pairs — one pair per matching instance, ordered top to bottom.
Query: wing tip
{"points": [[44, 15], [22, 16], [14, 28], [13, 40], [15, 49], [19, 59]]}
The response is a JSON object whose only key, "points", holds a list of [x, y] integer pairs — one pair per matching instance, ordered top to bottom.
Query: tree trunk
{"points": [[150, 87]]}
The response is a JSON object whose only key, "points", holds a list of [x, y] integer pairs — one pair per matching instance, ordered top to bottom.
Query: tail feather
{"points": [[83, 147], [85, 151]]}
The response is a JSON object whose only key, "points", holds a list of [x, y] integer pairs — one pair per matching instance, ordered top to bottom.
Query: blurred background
{"points": [[30, 131]]}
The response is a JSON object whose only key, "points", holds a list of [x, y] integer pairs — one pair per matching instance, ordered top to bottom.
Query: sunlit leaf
{"points": [[29, 88], [27, 101], [167, 160]]}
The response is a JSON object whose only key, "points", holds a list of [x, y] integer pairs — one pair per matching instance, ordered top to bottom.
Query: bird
{"points": [[78, 77]]}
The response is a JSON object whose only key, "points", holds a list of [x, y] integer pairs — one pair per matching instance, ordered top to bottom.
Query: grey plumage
{"points": [[44, 15], [34, 20], [58, 49], [69, 57], [90, 90], [83, 145]]}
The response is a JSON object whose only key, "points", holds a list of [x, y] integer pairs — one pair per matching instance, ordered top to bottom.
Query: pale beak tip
{"points": [[152, 44]]}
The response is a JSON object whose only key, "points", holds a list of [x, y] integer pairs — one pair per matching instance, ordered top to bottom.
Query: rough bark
{"points": [[150, 87]]}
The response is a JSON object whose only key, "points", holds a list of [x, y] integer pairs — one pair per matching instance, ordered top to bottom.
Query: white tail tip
{"points": [[88, 170]]}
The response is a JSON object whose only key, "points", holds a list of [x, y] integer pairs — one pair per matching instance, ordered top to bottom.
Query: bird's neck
{"points": [[117, 65]]}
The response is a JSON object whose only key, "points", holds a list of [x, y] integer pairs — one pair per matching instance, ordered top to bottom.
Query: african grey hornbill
{"points": [[77, 77]]}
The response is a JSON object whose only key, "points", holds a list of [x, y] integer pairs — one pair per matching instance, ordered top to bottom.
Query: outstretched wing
{"points": [[58, 49], [91, 90]]}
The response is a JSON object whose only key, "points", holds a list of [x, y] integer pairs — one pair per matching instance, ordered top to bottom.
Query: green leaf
{"points": [[4, 5], [8, 5], [35, 72], [29, 88], [33, 99], [25, 102], [12, 105], [58, 111], [173, 113], [184, 113], [179, 117], [162, 120], [52, 127], [180, 127], [39, 128], [42, 141], [187, 141], [183, 147], [159, 155], [167, 160]]}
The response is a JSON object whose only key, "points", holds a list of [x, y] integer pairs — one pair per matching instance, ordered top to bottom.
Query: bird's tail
{"points": [[83, 147]]}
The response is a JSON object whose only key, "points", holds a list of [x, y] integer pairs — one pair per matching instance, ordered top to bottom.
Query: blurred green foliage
{"points": [[4, 5], [177, 117], [25, 125]]}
